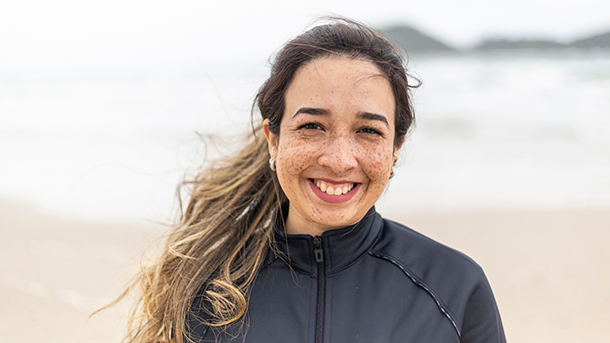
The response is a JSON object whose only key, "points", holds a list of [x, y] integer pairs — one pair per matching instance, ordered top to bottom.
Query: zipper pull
{"points": [[317, 242]]}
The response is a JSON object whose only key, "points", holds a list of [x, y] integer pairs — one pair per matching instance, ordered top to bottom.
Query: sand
{"points": [[549, 271], [55, 272]]}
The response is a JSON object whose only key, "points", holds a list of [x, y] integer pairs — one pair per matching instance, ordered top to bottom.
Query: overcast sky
{"points": [[77, 32]]}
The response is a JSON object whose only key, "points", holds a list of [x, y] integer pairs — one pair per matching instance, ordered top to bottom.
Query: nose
{"points": [[339, 154]]}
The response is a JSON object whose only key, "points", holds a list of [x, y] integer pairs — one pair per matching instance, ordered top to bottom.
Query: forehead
{"points": [[337, 62], [332, 69], [339, 84]]}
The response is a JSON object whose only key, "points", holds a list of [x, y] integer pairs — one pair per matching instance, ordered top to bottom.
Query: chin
{"points": [[333, 217]]}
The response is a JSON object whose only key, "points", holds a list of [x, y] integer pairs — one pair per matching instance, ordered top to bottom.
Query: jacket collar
{"points": [[341, 247]]}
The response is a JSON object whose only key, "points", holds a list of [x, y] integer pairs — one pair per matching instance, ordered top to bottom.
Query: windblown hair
{"points": [[226, 230]]}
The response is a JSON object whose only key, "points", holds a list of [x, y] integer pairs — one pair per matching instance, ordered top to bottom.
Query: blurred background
{"points": [[103, 104]]}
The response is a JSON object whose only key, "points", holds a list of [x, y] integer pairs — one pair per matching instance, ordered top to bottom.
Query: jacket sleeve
{"points": [[481, 322]]}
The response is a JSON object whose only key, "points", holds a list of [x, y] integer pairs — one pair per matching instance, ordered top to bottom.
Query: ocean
{"points": [[518, 130]]}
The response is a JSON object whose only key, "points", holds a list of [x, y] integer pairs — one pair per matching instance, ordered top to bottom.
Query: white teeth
{"points": [[332, 190]]}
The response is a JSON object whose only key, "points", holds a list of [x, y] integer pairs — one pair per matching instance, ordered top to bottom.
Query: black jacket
{"points": [[376, 281]]}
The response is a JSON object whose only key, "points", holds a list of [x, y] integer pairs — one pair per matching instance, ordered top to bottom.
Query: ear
{"points": [[271, 139], [402, 140]]}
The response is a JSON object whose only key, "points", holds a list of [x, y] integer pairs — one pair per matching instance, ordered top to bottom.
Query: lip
{"points": [[333, 199]]}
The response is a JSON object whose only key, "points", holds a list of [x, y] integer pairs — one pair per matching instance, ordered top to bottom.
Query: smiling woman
{"points": [[337, 143], [282, 242]]}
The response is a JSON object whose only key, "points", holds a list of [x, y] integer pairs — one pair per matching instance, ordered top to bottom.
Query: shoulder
{"points": [[423, 255], [457, 284]]}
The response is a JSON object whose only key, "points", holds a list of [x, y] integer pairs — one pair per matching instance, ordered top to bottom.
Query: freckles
{"points": [[295, 154], [297, 158], [377, 165]]}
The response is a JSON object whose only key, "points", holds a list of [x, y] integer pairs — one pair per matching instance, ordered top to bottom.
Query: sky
{"points": [[35, 33]]}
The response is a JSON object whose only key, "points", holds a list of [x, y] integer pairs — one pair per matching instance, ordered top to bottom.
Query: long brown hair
{"points": [[226, 231]]}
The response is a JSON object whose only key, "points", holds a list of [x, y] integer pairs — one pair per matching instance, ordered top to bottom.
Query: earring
{"points": [[272, 164], [392, 171]]}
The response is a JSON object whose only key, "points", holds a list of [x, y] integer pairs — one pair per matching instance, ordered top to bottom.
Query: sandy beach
{"points": [[549, 271]]}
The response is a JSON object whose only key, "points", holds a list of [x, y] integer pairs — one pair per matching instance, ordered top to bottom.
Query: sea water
{"points": [[527, 130]]}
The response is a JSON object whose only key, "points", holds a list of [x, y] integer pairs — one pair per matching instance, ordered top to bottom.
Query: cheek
{"points": [[294, 157], [376, 164]]}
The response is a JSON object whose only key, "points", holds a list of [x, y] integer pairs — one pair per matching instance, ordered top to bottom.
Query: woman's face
{"points": [[335, 148]]}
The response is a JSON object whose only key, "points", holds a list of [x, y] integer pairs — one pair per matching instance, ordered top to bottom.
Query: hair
{"points": [[226, 230]]}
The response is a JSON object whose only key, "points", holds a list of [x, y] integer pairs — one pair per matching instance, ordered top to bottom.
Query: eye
{"points": [[311, 126], [370, 130]]}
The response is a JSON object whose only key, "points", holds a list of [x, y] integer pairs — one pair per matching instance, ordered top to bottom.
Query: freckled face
{"points": [[335, 148]]}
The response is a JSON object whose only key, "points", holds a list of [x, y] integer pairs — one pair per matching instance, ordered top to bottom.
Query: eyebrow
{"points": [[311, 110], [322, 112], [373, 116]]}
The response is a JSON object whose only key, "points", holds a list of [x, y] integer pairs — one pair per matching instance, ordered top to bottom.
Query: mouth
{"points": [[333, 188], [334, 192]]}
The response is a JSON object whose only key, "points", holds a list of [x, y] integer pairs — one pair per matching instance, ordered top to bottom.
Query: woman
{"points": [[282, 243]]}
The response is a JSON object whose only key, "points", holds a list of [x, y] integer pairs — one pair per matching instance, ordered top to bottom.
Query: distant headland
{"points": [[413, 40]]}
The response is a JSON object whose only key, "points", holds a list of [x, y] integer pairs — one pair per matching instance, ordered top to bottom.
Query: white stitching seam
{"points": [[422, 285]]}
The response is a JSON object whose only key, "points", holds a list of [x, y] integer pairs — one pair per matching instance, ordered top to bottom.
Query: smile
{"points": [[334, 189], [334, 192]]}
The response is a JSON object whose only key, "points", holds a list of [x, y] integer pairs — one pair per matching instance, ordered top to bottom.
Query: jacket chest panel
{"points": [[374, 303], [363, 304]]}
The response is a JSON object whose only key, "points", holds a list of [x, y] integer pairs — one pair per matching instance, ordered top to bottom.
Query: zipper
{"points": [[319, 253]]}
